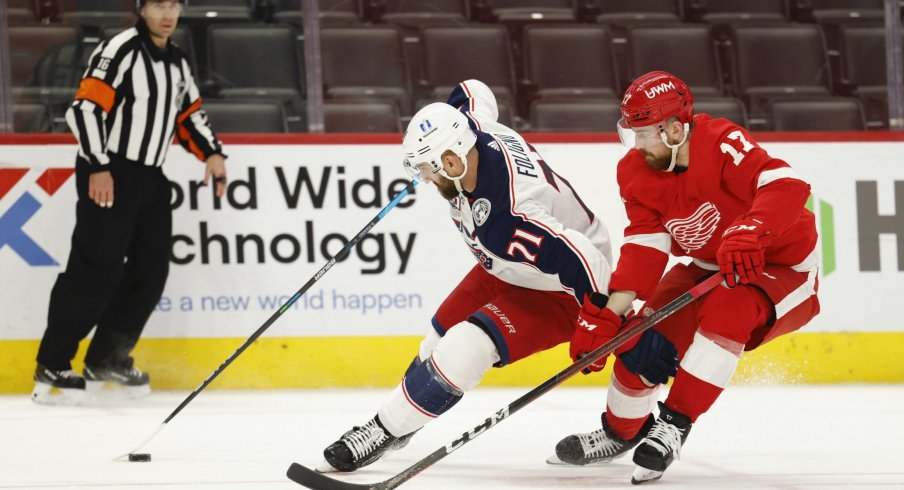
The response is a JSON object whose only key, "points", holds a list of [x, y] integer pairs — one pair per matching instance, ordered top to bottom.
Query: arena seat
{"points": [[686, 51], [455, 54], [568, 62], [365, 63], [838, 114], [574, 116], [245, 117], [361, 117]]}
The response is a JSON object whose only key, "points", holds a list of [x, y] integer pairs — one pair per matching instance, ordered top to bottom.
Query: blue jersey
{"points": [[524, 223]]}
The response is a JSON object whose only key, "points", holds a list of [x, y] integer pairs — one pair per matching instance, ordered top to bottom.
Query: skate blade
{"points": [[116, 390], [45, 394], [555, 461], [325, 467], [643, 475]]}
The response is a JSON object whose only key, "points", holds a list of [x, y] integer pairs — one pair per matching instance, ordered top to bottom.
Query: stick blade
{"points": [[309, 478]]}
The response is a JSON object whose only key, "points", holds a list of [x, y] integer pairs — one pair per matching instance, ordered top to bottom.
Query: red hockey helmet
{"points": [[656, 96]]}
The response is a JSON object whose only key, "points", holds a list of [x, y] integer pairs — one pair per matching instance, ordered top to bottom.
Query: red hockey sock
{"points": [[691, 396], [629, 402], [626, 429]]}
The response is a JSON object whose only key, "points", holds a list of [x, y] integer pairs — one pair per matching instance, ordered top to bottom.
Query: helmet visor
{"points": [[625, 133], [640, 136], [420, 171]]}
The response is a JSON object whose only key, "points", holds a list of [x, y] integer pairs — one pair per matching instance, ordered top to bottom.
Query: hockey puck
{"points": [[140, 457]]}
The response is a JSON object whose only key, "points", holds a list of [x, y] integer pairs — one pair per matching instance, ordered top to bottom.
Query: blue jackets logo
{"points": [[23, 208], [480, 211]]}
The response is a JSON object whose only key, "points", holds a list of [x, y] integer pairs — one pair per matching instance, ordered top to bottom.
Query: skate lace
{"points": [[68, 374], [665, 437], [364, 440], [598, 443]]}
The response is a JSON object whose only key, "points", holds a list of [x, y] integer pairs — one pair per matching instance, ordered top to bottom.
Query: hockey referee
{"points": [[137, 92]]}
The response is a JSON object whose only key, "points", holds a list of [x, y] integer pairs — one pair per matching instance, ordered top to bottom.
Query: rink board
{"points": [[294, 201], [326, 362]]}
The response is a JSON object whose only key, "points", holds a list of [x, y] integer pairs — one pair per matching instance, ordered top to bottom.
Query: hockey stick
{"points": [[278, 313], [318, 481]]}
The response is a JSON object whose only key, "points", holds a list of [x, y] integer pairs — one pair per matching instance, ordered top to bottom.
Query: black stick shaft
{"points": [[278, 313], [317, 481]]}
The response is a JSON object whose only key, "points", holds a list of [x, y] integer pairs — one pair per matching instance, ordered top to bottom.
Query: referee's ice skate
{"points": [[134, 382], [57, 387]]}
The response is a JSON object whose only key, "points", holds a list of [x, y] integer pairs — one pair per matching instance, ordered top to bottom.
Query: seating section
{"points": [[825, 10], [524, 11], [638, 12], [715, 12], [331, 13], [92, 15], [686, 51], [449, 57], [46, 63], [365, 63], [554, 65], [237, 66], [797, 66], [863, 70], [587, 72], [725, 107], [840, 114], [246, 117], [361, 117], [575, 117], [31, 118]]}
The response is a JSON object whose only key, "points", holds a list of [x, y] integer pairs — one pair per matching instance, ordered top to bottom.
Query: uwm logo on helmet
{"points": [[659, 89], [19, 204]]}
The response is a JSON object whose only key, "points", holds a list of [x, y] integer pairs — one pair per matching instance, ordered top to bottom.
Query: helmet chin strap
{"points": [[674, 148], [457, 180]]}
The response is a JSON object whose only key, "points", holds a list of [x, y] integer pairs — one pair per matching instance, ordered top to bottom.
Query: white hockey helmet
{"points": [[434, 130]]}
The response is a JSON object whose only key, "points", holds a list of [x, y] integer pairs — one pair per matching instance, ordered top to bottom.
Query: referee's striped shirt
{"points": [[133, 98]]}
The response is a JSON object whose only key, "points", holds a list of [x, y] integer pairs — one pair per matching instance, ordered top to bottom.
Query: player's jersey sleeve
{"points": [[96, 96], [475, 100], [776, 191], [645, 251]]}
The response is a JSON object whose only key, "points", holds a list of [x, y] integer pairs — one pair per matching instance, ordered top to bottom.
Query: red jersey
{"points": [[729, 176]]}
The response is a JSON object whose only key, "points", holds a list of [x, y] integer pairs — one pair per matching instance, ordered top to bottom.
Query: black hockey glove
{"points": [[654, 357]]}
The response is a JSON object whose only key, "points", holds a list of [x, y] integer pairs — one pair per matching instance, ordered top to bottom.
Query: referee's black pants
{"points": [[116, 271]]}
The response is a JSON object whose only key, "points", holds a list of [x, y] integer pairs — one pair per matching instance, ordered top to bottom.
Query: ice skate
{"points": [[134, 382], [53, 387], [403, 441], [662, 445], [358, 447], [597, 447]]}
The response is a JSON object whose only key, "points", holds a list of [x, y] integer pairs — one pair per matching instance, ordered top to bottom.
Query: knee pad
{"points": [[734, 313], [464, 354], [456, 365]]}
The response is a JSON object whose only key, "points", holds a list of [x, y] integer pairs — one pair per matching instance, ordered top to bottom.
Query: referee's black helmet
{"points": [[142, 3]]}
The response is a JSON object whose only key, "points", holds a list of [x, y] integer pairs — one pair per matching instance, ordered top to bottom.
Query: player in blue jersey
{"points": [[541, 254]]}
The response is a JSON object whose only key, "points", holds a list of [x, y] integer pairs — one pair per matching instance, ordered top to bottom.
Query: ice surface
{"points": [[754, 437]]}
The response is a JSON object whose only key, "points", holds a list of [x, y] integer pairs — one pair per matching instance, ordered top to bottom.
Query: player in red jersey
{"points": [[697, 187]]}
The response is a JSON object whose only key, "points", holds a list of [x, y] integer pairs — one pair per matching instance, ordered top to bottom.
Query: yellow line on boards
{"points": [[351, 362]]}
